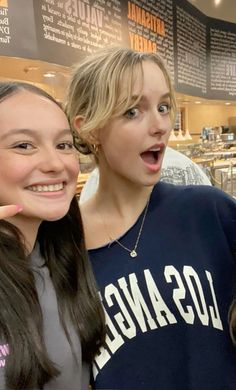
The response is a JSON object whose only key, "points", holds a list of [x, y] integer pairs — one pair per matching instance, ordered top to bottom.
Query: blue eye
{"points": [[164, 108], [132, 113]]}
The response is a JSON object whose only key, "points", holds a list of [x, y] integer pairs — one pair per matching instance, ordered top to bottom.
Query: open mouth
{"points": [[150, 156], [47, 188]]}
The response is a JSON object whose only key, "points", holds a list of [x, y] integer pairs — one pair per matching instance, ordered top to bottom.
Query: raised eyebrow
{"points": [[165, 96], [143, 97], [134, 98]]}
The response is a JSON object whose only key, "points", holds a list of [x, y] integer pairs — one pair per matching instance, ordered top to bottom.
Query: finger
{"points": [[9, 211]]}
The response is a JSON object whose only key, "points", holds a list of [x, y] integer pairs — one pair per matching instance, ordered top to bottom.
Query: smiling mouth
{"points": [[47, 188]]}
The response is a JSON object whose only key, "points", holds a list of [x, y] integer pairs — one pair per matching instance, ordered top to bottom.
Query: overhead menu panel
{"points": [[200, 51]]}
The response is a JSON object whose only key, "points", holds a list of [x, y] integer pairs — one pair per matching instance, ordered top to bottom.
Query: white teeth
{"points": [[155, 150], [45, 188]]}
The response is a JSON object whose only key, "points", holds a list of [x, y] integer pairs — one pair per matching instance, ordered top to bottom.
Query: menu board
{"points": [[150, 25], [69, 29], [66, 30], [5, 34], [17, 37], [191, 50], [222, 51], [200, 52]]}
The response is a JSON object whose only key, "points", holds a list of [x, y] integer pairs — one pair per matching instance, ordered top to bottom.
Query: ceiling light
{"points": [[217, 2], [49, 74], [197, 102], [227, 103]]}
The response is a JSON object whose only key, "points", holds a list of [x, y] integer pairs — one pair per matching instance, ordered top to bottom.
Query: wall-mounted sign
{"points": [[200, 51]]}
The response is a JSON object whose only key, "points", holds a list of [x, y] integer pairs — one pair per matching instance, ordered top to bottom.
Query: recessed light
{"points": [[49, 74], [197, 102], [227, 103]]}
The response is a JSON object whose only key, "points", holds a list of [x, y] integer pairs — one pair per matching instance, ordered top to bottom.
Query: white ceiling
{"points": [[225, 10]]}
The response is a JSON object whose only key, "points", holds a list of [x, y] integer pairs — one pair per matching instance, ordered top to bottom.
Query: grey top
{"points": [[74, 375]]}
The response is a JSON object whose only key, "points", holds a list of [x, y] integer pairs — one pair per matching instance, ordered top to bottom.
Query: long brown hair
{"points": [[62, 245]]}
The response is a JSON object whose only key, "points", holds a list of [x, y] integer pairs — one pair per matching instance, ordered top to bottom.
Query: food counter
{"points": [[216, 158], [219, 161]]}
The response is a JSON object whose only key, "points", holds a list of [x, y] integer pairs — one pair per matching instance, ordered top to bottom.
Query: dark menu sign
{"points": [[150, 25], [17, 29], [66, 30], [5, 33], [191, 50], [200, 51], [222, 82]]}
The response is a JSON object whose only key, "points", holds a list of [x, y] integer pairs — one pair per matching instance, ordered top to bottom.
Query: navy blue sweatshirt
{"points": [[167, 308]]}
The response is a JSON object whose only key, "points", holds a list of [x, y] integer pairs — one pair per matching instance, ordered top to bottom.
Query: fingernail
{"points": [[19, 207]]}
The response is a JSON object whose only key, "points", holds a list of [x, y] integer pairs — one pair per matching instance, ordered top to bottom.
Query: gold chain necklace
{"points": [[133, 252]]}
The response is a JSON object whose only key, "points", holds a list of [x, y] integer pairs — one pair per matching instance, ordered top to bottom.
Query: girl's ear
{"points": [[77, 123], [91, 137]]}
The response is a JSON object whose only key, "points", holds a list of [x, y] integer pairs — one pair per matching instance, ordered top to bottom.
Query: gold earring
{"points": [[95, 149]]}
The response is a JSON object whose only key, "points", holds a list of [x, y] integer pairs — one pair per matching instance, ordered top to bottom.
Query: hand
{"points": [[9, 211]]}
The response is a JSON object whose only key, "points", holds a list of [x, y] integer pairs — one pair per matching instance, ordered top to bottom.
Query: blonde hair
{"points": [[96, 92]]}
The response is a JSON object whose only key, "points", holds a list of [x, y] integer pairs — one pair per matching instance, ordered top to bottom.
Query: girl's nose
{"points": [[158, 124], [51, 161]]}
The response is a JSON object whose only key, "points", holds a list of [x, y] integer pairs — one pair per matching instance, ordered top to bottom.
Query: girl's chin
{"points": [[45, 216]]}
